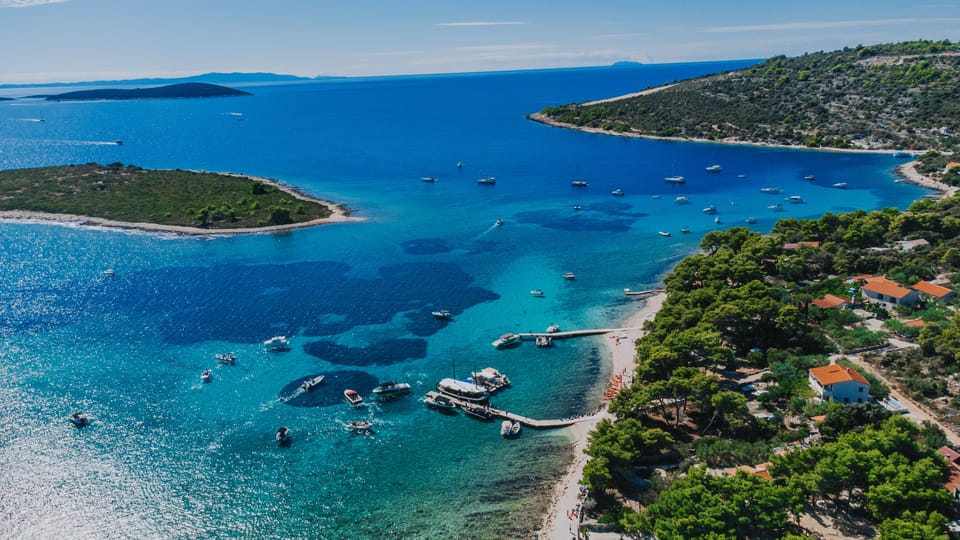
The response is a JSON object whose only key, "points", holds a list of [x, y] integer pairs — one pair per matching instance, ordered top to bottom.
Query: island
{"points": [[183, 90], [878, 97], [177, 201]]}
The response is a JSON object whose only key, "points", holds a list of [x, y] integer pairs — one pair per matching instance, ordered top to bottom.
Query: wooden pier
{"points": [[648, 292], [527, 336], [506, 415]]}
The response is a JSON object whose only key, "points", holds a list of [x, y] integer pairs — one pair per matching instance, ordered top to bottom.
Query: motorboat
{"points": [[118, 142], [459, 164], [714, 168], [741, 176], [809, 178], [428, 179], [675, 180], [487, 181], [579, 183], [840, 185], [770, 189], [617, 192], [655, 196], [795, 199], [681, 200], [577, 207], [776, 207], [710, 210], [717, 220], [751, 220], [498, 223], [685, 230], [664, 233], [109, 272], [569, 276], [537, 293], [442, 314], [553, 328], [506, 340], [544, 341], [277, 344], [226, 359], [206, 376], [490, 378], [311, 384], [391, 388], [463, 390], [352, 397], [439, 402], [480, 412], [78, 419], [359, 426], [509, 429], [283, 436]]}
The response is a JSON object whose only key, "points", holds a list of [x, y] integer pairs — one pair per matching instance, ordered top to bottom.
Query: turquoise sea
{"points": [[167, 456]]}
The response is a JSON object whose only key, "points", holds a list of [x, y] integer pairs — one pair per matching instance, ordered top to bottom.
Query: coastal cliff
{"points": [[891, 96]]}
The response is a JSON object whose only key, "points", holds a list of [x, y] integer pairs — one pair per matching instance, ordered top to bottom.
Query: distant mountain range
{"points": [[212, 78]]}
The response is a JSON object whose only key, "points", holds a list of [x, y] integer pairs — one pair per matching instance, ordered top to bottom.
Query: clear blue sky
{"points": [[76, 40]]}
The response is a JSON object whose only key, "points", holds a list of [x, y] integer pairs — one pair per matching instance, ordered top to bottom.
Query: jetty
{"points": [[648, 292], [574, 333], [506, 415]]}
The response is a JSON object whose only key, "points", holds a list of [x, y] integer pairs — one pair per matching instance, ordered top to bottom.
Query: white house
{"points": [[840, 384]]}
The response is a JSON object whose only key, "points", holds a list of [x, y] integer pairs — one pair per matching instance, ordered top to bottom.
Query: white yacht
{"points": [[714, 168], [675, 180], [487, 181], [579, 183], [840, 185], [771, 190], [617, 192], [795, 199], [681, 200], [710, 210], [506, 340], [277, 344], [391, 388], [466, 391]]}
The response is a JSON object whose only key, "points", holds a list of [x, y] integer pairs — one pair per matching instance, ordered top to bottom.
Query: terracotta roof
{"points": [[952, 164], [795, 245], [863, 277], [886, 287], [932, 289], [829, 301], [914, 323], [834, 373], [819, 418], [949, 453]]}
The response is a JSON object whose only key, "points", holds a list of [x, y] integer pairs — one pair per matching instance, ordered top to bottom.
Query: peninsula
{"points": [[184, 90], [878, 97], [178, 201]]}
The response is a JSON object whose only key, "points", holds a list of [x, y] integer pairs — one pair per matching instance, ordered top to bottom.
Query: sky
{"points": [[83, 40]]}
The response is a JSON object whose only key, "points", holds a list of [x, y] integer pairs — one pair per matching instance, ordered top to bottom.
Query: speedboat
{"points": [[118, 143], [459, 164], [714, 168], [741, 176], [809, 178], [428, 179], [675, 180], [487, 181], [579, 183], [840, 185], [771, 190], [617, 192], [795, 199], [681, 200], [577, 207], [776, 207], [710, 210], [717, 220], [751, 220], [498, 223], [685, 230], [664, 233], [109, 272], [569, 276], [537, 293], [442, 314], [553, 328], [506, 340], [544, 341], [277, 344], [226, 359], [206, 376], [311, 384], [391, 388], [463, 390], [352, 397], [439, 402], [480, 412], [78, 419], [359, 426], [509, 429], [283, 436]]}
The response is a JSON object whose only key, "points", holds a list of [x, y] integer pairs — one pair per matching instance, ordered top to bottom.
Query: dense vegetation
{"points": [[183, 90], [900, 95], [169, 197], [743, 307]]}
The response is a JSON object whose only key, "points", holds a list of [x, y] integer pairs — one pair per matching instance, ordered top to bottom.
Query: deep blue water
{"points": [[168, 456]]}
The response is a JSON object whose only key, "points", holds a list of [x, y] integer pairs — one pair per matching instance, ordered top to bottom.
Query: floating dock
{"points": [[648, 292], [506, 415]]}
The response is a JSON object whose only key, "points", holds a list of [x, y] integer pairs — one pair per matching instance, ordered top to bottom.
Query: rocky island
{"points": [[183, 90], [878, 97], [184, 202]]}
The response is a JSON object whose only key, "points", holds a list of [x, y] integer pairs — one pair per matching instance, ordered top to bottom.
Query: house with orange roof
{"points": [[796, 245], [881, 289], [936, 291], [830, 301], [915, 323], [840, 384]]}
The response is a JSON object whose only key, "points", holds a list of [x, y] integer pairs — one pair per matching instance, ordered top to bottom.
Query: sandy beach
{"points": [[340, 214], [619, 346]]}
